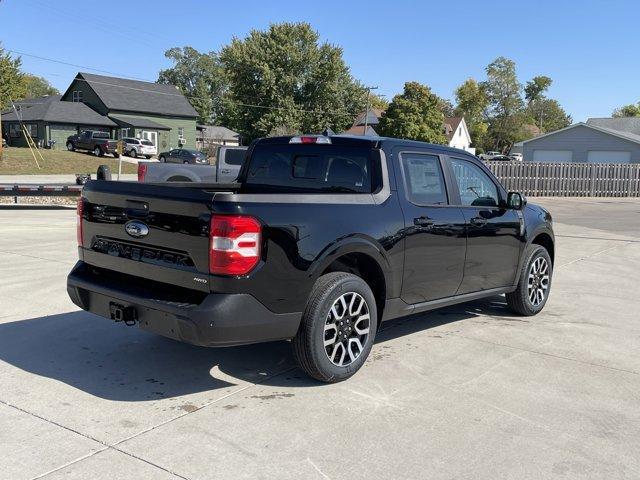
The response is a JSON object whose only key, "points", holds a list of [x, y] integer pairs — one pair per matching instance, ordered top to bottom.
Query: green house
{"points": [[122, 107]]}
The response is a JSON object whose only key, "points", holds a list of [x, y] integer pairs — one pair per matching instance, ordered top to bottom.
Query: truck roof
{"points": [[365, 141]]}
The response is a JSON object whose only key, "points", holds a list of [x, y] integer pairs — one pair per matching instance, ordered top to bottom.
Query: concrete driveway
{"points": [[468, 392]]}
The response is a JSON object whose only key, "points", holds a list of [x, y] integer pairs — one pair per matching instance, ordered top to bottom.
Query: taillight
{"points": [[311, 139], [142, 171], [79, 221], [235, 244]]}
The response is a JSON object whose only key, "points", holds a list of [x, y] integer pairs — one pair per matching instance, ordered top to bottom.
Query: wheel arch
{"points": [[546, 240], [362, 258]]}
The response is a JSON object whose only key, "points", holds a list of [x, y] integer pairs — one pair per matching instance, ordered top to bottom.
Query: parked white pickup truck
{"points": [[225, 170]]}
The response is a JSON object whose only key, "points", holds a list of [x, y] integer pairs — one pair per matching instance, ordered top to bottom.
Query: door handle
{"points": [[479, 221], [423, 222]]}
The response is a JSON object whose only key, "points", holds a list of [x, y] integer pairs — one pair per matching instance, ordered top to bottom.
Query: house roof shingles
{"points": [[138, 96], [50, 109], [138, 122], [622, 124], [450, 126], [217, 132]]}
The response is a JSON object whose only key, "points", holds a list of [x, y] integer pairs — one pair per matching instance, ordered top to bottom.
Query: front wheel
{"points": [[70, 147], [97, 152], [133, 153], [534, 284], [338, 328]]}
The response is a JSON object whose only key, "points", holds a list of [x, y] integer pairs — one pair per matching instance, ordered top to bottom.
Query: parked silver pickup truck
{"points": [[225, 169]]}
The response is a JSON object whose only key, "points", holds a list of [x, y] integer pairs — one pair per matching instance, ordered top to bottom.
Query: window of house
{"points": [[77, 96], [32, 128], [14, 130], [181, 132], [424, 179], [476, 188]]}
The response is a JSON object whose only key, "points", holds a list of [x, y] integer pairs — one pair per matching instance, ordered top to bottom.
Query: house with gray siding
{"points": [[591, 142]]}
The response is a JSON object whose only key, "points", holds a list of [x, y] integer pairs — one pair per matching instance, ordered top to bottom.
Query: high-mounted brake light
{"points": [[311, 139], [142, 171], [80, 212], [235, 244]]}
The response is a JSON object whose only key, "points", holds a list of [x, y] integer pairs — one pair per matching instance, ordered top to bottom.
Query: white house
{"points": [[457, 133]]}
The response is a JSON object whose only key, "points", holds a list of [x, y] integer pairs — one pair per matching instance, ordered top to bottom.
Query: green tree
{"points": [[199, 76], [285, 79], [12, 83], [38, 87], [535, 87], [503, 91], [472, 103], [627, 111], [415, 114], [547, 115]]}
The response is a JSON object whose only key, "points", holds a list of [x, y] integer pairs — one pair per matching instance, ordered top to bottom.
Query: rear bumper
{"points": [[212, 320]]}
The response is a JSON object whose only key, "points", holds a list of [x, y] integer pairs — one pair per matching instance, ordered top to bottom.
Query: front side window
{"points": [[424, 181], [476, 188]]}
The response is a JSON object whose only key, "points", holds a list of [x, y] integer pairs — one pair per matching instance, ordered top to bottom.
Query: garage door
{"points": [[59, 134], [554, 156], [604, 156]]}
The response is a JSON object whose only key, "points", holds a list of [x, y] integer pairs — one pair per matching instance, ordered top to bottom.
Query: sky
{"points": [[591, 49]]}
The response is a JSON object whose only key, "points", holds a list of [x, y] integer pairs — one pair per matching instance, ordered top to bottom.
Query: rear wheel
{"points": [[97, 152], [147, 157], [162, 159], [534, 284], [338, 328]]}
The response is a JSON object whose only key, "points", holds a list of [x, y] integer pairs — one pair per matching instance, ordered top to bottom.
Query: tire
{"points": [[70, 147], [97, 152], [133, 153], [147, 157], [162, 159], [186, 162], [529, 299], [309, 347]]}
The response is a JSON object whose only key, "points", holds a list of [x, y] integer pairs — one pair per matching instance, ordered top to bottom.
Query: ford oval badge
{"points": [[136, 229]]}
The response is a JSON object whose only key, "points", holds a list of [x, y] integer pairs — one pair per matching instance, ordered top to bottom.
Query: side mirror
{"points": [[516, 201]]}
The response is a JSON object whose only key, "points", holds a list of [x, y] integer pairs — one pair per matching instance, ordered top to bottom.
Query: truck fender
{"points": [[353, 244]]}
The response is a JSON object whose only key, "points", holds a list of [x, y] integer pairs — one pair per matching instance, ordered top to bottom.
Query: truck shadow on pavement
{"points": [[122, 363]]}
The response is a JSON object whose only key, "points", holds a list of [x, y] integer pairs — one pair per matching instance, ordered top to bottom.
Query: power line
{"points": [[194, 97]]}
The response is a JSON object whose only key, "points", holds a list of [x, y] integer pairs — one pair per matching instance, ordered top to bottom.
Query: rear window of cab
{"points": [[313, 168]]}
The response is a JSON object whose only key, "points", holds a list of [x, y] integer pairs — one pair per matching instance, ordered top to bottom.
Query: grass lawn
{"points": [[18, 161]]}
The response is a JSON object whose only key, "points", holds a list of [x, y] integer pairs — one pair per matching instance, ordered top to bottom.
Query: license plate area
{"points": [[121, 313]]}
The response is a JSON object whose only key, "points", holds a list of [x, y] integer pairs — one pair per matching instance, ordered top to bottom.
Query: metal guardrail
{"points": [[569, 179], [33, 190]]}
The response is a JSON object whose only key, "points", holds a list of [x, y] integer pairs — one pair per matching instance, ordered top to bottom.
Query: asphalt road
{"points": [[468, 392]]}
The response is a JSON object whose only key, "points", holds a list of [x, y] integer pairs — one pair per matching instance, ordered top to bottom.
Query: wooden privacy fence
{"points": [[569, 179]]}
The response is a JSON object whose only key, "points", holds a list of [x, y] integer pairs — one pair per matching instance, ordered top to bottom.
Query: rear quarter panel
{"points": [[301, 238]]}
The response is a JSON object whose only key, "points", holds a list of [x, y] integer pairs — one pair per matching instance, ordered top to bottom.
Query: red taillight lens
{"points": [[142, 171], [79, 221], [235, 244]]}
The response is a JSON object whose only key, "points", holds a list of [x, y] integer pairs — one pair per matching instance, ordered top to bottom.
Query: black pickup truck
{"points": [[97, 142], [321, 239]]}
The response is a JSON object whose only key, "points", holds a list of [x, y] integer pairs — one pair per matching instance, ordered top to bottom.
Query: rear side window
{"points": [[100, 135], [234, 156], [313, 168], [424, 180]]}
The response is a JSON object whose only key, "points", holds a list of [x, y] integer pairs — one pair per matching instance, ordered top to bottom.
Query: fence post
{"points": [[593, 180]]}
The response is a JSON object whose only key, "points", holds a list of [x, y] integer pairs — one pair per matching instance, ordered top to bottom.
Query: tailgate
{"points": [[155, 232]]}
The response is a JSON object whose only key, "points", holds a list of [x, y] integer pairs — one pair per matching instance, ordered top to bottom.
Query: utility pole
{"points": [[366, 112]]}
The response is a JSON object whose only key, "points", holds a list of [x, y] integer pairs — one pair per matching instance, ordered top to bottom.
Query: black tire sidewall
{"points": [[350, 283]]}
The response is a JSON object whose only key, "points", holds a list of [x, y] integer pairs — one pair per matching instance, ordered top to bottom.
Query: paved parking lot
{"points": [[468, 392]]}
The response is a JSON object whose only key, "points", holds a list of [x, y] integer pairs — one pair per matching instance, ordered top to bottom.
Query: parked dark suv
{"points": [[321, 240]]}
